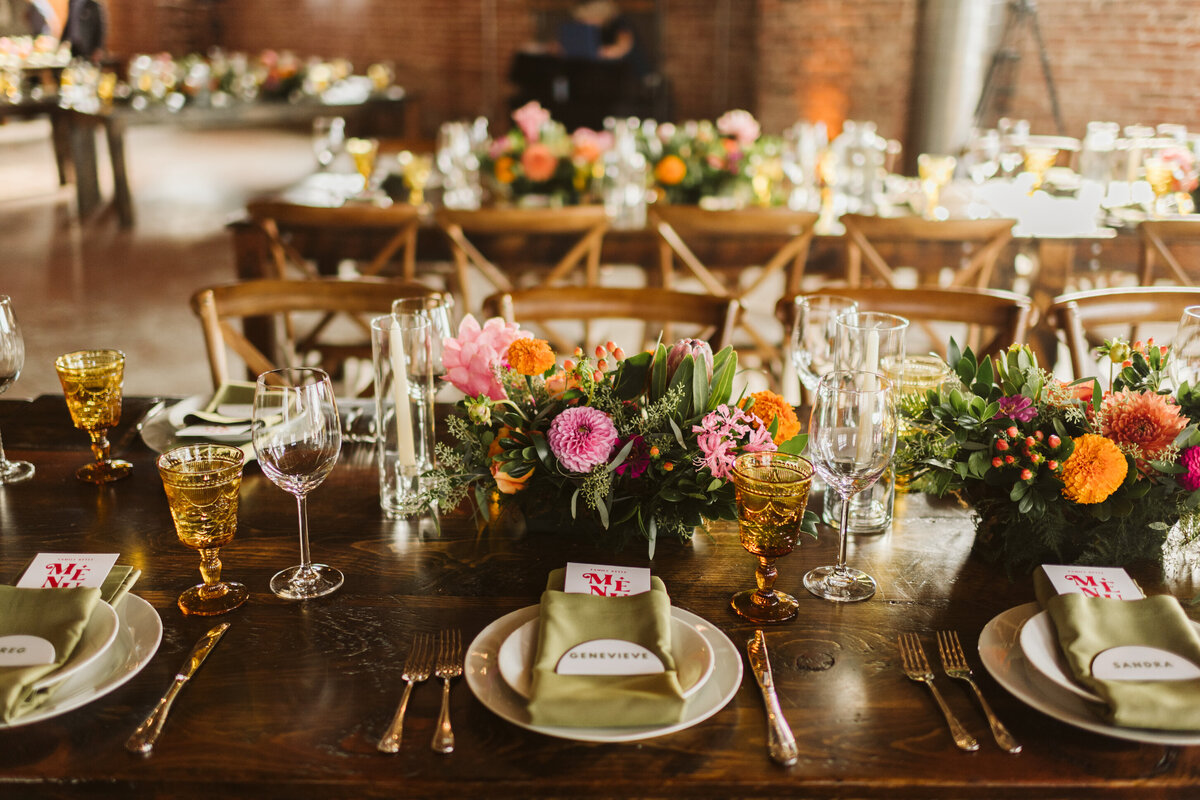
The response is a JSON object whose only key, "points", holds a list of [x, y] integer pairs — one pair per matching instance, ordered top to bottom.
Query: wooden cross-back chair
{"points": [[586, 224], [676, 225], [864, 235], [1158, 237], [218, 306], [715, 316], [1077, 316], [994, 318]]}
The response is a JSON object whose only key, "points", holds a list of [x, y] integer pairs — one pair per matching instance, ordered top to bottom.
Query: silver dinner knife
{"points": [[143, 739], [780, 741]]}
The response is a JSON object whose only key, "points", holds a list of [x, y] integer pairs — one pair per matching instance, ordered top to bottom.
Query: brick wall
{"points": [[1131, 61]]}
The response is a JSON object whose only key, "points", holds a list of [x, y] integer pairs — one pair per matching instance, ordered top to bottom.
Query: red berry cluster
{"points": [[1026, 453]]}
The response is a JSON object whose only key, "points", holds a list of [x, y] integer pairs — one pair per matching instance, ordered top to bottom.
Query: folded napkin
{"points": [[231, 404], [120, 580], [57, 615], [1087, 626], [598, 701]]}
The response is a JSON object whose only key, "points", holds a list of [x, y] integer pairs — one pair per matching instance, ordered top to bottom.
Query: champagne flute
{"points": [[12, 358], [91, 382], [297, 438], [851, 438]]}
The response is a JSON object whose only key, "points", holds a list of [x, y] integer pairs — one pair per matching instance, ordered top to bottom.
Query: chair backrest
{"points": [[586, 224], [396, 225], [864, 234], [1164, 240], [276, 299], [1079, 314], [714, 316], [994, 318]]}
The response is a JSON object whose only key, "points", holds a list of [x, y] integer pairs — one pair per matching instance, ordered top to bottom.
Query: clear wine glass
{"points": [[439, 310], [812, 336], [12, 359], [1184, 364], [297, 438], [851, 439]]}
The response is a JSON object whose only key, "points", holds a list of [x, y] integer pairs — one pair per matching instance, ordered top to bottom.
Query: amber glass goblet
{"points": [[364, 152], [91, 381], [202, 483], [772, 494]]}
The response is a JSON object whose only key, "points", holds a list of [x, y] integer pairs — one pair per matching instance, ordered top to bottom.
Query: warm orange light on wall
{"points": [[823, 102]]}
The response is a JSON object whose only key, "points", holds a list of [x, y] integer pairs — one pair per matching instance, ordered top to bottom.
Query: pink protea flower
{"points": [[530, 118], [741, 125], [698, 349], [473, 359], [722, 433], [581, 438], [1190, 459]]}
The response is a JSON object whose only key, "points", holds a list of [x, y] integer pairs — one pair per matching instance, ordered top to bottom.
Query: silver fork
{"points": [[954, 664], [449, 665], [916, 667], [416, 669]]}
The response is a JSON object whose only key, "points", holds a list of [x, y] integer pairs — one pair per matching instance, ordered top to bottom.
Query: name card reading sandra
{"points": [[67, 570], [605, 581], [1112, 583], [21, 650], [609, 657], [1139, 663]]}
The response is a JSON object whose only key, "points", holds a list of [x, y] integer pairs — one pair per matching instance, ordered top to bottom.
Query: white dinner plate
{"points": [[160, 432], [138, 635], [98, 636], [1039, 643], [1001, 653], [694, 658], [487, 684]]}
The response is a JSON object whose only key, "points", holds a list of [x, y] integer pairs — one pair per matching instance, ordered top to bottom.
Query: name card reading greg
{"points": [[67, 570], [605, 581], [1112, 583], [21, 650], [609, 657], [1139, 663]]}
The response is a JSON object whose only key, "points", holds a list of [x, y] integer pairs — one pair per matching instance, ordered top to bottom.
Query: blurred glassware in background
{"points": [[1013, 133], [328, 139], [803, 144], [860, 154], [982, 154], [458, 164], [625, 176]]}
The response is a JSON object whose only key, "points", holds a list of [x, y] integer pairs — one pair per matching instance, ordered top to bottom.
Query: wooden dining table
{"points": [[293, 700]]}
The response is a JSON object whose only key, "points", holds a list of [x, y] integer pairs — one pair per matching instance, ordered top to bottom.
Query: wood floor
{"points": [[83, 285]]}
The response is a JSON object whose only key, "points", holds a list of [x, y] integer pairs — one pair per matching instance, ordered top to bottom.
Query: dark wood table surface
{"points": [[292, 701]]}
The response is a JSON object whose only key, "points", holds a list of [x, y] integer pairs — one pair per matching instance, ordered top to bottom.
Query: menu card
{"points": [[67, 570], [606, 581], [1112, 583]]}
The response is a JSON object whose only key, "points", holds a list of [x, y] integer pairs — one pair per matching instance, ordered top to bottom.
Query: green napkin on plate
{"points": [[120, 580], [57, 615], [1087, 626], [600, 701]]}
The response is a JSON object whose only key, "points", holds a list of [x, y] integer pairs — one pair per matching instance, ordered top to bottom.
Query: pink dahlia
{"points": [[473, 358], [1147, 420], [581, 438], [1191, 461]]}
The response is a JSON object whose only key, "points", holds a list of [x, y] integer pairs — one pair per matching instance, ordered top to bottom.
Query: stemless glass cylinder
{"points": [[439, 310], [401, 347], [12, 359], [91, 382], [297, 437], [202, 483], [772, 493]]}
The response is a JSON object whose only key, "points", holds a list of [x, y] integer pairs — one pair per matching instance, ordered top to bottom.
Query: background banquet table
{"points": [[292, 701]]}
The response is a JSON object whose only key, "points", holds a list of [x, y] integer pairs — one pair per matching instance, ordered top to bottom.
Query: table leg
{"points": [[115, 131], [60, 136], [82, 139], [1056, 258]]}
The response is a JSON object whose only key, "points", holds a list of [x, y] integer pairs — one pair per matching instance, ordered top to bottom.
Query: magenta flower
{"points": [[530, 118], [740, 125], [474, 358], [1017, 407], [726, 433], [581, 438], [638, 459], [1190, 459]]}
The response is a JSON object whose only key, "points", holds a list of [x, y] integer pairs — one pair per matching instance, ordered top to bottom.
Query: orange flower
{"points": [[539, 162], [504, 169], [670, 170], [530, 356], [560, 383], [768, 407], [1147, 420], [494, 448], [1094, 470], [506, 483]]}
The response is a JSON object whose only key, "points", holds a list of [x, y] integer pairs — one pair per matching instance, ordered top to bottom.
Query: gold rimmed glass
{"points": [[364, 153], [91, 381], [202, 483], [772, 494]]}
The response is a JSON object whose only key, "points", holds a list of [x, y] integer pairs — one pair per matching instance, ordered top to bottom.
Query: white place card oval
{"points": [[21, 650], [609, 657], [1138, 663]]}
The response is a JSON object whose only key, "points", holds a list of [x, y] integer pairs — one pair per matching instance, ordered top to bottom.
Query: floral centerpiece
{"points": [[539, 158], [628, 448], [1062, 473]]}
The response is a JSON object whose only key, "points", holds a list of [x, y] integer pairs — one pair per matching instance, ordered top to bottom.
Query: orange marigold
{"points": [[530, 356], [769, 406], [1147, 420], [1094, 470]]}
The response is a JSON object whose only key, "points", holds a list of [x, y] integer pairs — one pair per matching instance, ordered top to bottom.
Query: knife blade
{"points": [[143, 739], [780, 742]]}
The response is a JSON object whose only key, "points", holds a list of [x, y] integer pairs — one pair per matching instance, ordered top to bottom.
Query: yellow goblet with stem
{"points": [[364, 152], [1038, 160], [416, 169], [935, 171], [1160, 177], [91, 381], [202, 483]]}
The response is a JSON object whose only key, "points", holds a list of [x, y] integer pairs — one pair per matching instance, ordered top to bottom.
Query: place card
{"points": [[67, 570], [605, 581], [1113, 583], [21, 650], [609, 657], [1140, 663]]}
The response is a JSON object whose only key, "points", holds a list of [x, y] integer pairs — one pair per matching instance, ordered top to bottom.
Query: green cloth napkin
{"points": [[118, 583], [57, 615], [1087, 626], [600, 701]]}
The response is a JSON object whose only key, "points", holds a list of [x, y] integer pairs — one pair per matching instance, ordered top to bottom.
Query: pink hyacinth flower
{"points": [[530, 118], [473, 358]]}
